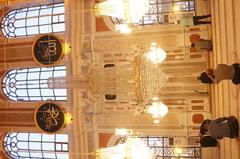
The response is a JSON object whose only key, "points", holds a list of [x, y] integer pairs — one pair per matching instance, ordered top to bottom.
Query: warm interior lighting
{"points": [[110, 8], [176, 8], [129, 10], [123, 28], [67, 48], [156, 55], [157, 109], [68, 118], [156, 121], [123, 132], [133, 148], [137, 149], [178, 151], [114, 152]]}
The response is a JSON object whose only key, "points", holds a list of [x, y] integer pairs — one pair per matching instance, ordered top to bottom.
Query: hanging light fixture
{"points": [[130, 11], [123, 28], [156, 55], [158, 110], [133, 148]]}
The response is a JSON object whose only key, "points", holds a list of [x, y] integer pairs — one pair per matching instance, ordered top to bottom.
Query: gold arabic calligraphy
{"points": [[48, 48], [50, 117]]}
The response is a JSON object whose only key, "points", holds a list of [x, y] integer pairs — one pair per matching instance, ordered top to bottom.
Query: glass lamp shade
{"points": [[129, 10], [123, 28], [156, 55], [158, 110], [133, 148], [137, 149]]}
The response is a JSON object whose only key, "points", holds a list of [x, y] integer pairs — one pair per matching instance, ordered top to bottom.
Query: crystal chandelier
{"points": [[130, 11], [156, 55], [151, 77], [157, 110], [133, 148]]}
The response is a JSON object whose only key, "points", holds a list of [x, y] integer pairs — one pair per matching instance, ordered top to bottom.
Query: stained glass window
{"points": [[164, 12], [34, 20], [32, 84], [36, 146]]}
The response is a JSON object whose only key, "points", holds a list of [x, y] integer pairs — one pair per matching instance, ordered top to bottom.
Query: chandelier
{"points": [[130, 11], [156, 55], [150, 76], [158, 110], [132, 148]]}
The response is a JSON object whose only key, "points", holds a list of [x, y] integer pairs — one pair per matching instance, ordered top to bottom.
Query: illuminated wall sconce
{"points": [[67, 48], [68, 118]]}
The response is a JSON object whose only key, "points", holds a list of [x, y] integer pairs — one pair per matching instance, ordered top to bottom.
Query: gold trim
{"points": [[62, 53], [35, 114]]}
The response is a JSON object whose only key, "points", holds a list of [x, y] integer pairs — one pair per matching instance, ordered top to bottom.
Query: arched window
{"points": [[164, 12], [34, 20], [32, 84], [36, 146]]}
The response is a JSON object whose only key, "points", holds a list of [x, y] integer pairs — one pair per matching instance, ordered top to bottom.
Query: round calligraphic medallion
{"points": [[47, 50], [49, 117]]}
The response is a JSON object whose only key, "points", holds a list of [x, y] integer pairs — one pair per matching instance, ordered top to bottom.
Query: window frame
{"points": [[9, 18], [35, 80], [55, 144]]}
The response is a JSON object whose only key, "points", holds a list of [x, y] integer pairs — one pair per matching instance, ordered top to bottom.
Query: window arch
{"points": [[162, 12], [34, 20], [32, 84], [36, 146]]}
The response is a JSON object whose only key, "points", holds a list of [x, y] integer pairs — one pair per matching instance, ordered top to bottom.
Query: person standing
{"points": [[187, 21], [202, 45], [222, 72], [220, 127]]}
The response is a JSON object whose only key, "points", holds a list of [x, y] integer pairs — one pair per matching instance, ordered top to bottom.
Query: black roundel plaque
{"points": [[47, 50], [49, 117]]}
